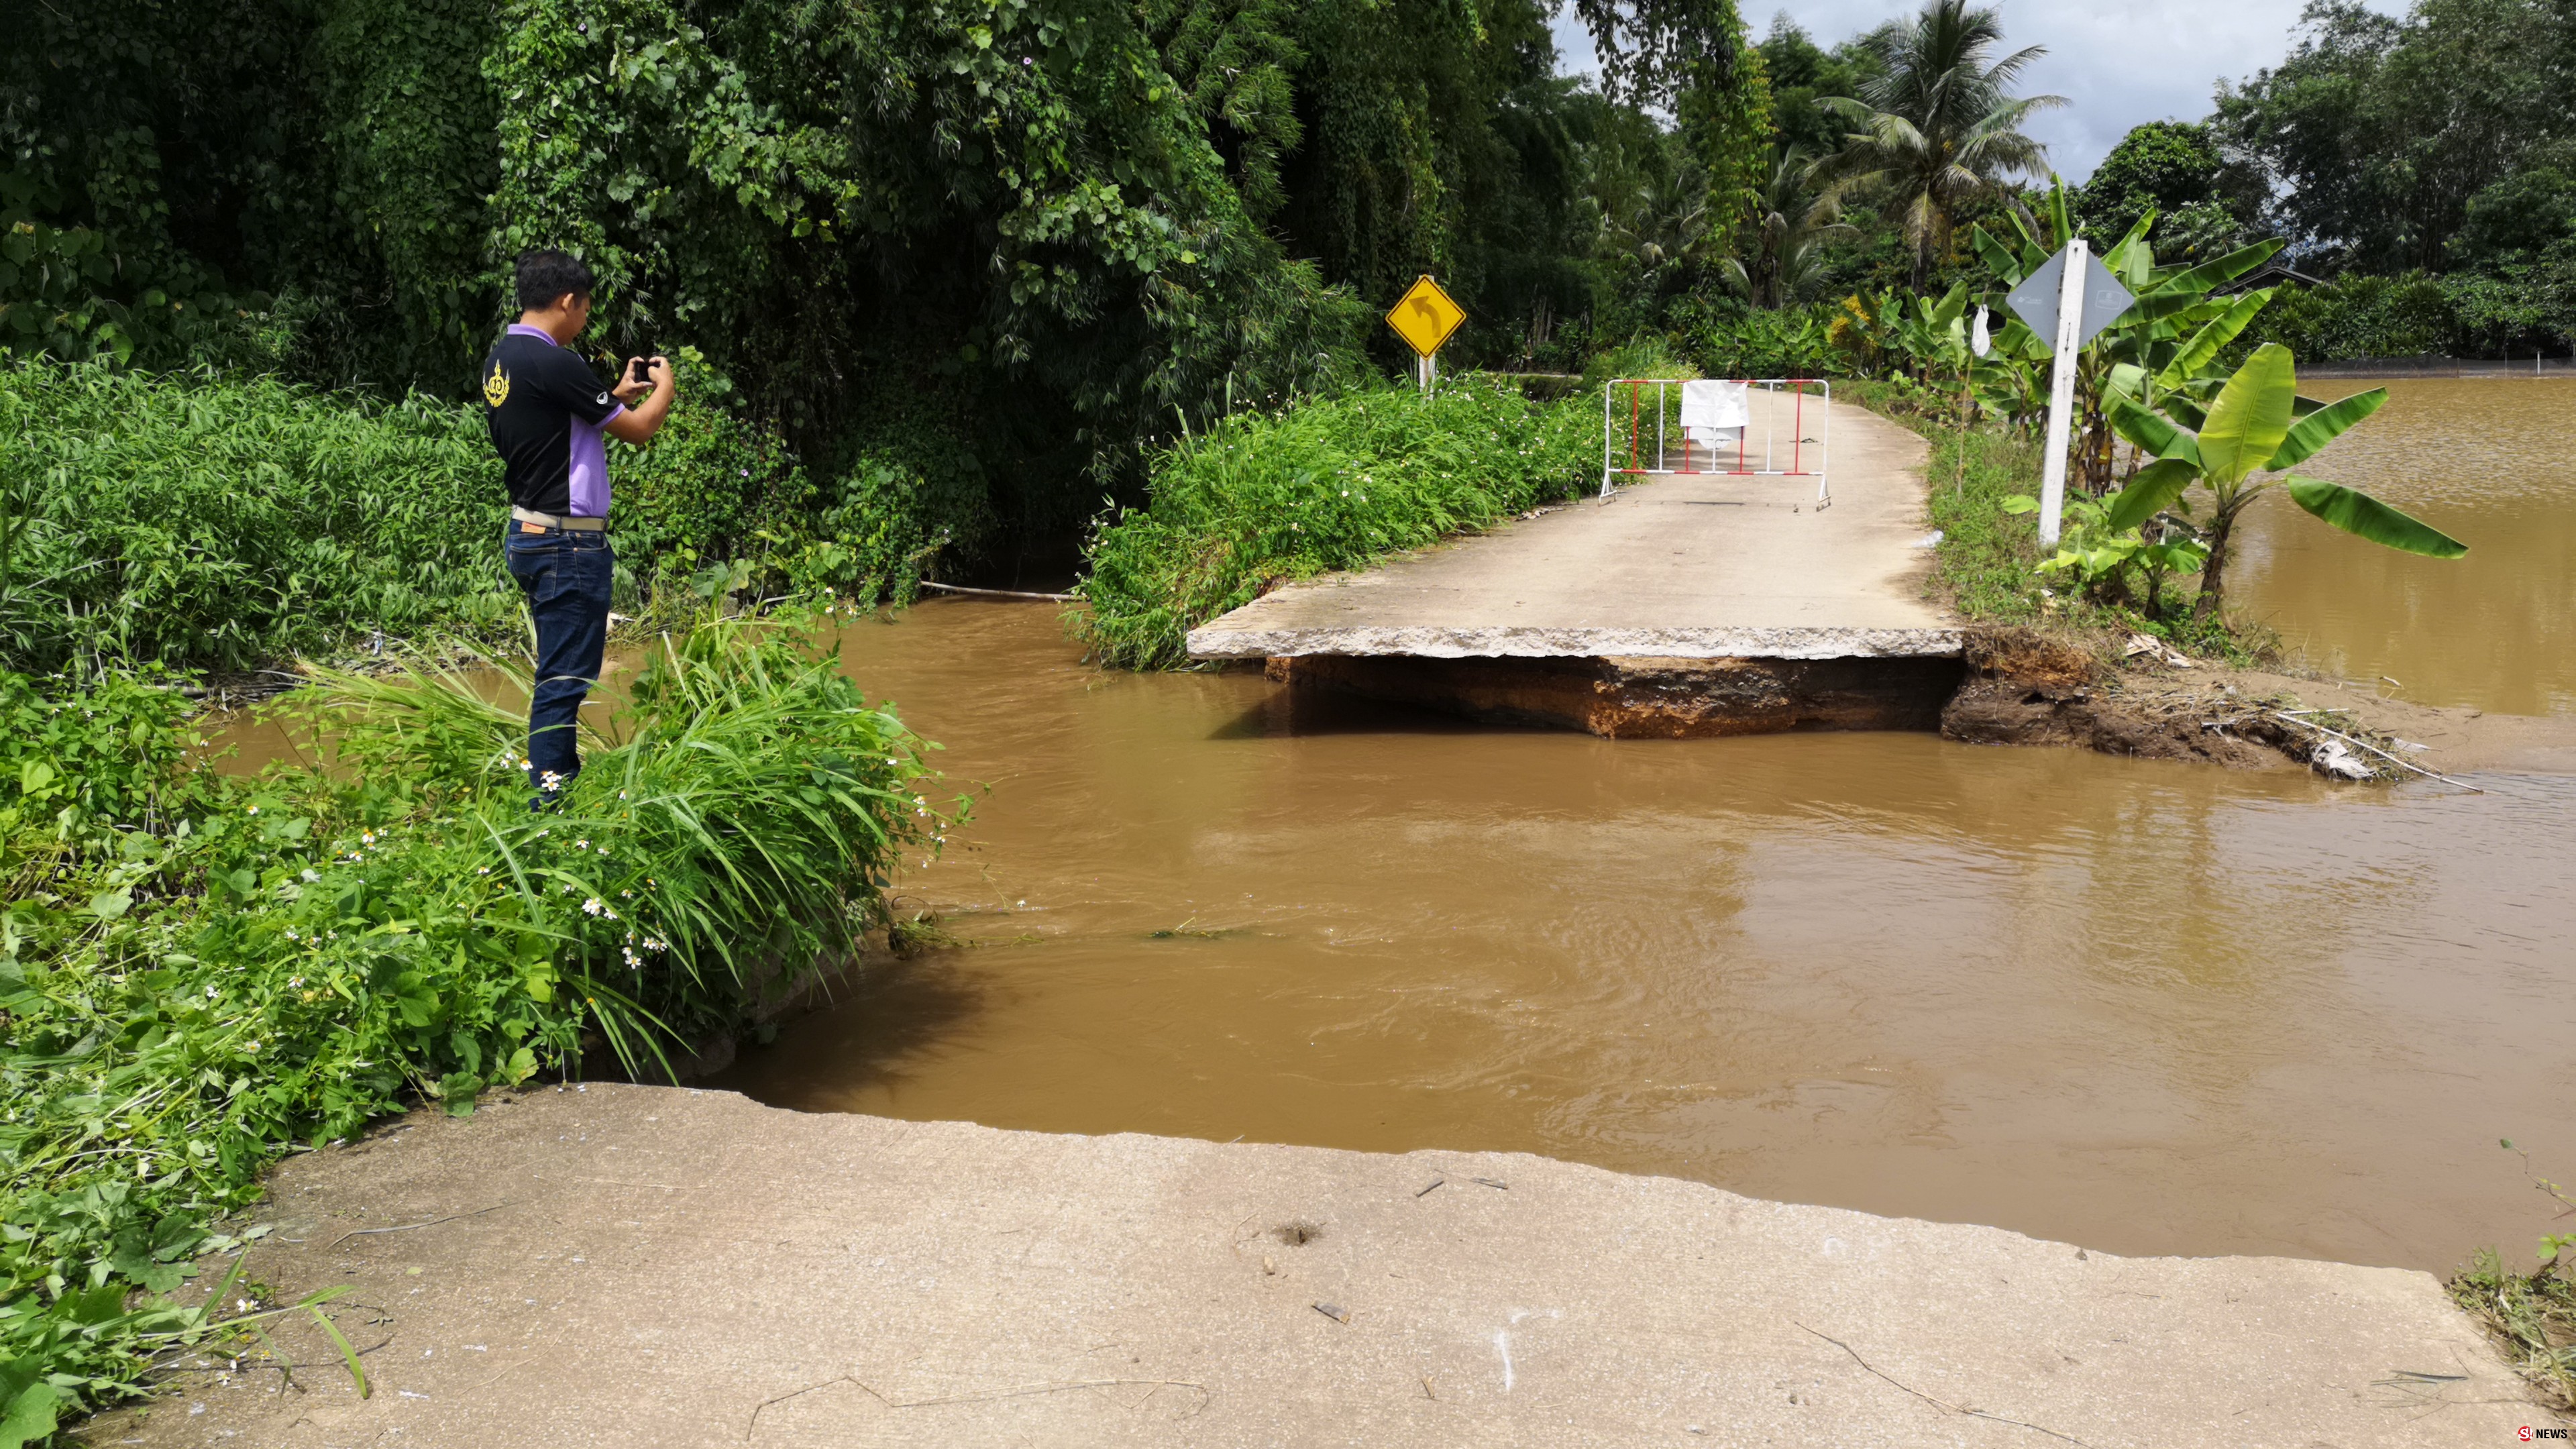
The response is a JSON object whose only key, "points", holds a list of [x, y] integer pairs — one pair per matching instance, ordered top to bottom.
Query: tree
{"points": [[1689, 57], [1804, 76], [1938, 128], [2375, 132], [2205, 204], [1781, 254], [2253, 428]]}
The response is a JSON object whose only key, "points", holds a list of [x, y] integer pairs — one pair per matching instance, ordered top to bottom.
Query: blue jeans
{"points": [[565, 576]]}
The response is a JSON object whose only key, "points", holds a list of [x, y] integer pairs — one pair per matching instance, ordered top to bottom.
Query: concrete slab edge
{"points": [[1557, 643]]}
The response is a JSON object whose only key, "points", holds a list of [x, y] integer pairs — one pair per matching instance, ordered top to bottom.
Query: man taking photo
{"points": [[548, 413]]}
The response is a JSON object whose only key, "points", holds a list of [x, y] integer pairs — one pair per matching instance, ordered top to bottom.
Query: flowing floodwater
{"points": [[2486, 460], [2148, 1007]]}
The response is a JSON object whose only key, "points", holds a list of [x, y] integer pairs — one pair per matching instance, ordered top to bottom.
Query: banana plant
{"points": [[1923, 337], [2164, 349], [2252, 429], [2099, 558]]}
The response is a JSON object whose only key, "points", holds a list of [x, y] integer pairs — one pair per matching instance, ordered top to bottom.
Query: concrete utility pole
{"points": [[2061, 391]]}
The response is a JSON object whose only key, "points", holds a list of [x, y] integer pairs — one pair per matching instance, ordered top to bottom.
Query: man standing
{"points": [[547, 412]]}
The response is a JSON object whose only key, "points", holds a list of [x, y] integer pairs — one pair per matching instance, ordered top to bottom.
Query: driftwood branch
{"points": [[997, 593]]}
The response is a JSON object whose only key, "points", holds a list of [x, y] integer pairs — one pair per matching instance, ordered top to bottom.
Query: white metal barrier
{"points": [[1714, 429]]}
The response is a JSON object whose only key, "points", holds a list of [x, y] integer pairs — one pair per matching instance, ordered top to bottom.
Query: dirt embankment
{"points": [[2023, 688]]}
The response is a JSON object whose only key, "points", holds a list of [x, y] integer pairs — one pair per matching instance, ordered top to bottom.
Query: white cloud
{"points": [[2118, 65]]}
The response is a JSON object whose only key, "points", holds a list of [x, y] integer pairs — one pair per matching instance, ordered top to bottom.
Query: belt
{"points": [[556, 520]]}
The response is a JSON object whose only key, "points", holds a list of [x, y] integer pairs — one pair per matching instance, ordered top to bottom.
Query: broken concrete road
{"points": [[1706, 566], [639, 1267]]}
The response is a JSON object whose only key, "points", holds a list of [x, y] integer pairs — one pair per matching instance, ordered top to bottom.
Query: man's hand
{"points": [[641, 421]]}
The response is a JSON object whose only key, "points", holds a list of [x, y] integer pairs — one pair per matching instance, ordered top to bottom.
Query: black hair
{"points": [[546, 274]]}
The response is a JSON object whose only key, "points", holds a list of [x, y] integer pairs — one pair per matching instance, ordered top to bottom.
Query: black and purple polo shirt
{"points": [[545, 409]]}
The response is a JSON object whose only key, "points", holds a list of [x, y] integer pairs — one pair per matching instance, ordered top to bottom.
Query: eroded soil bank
{"points": [[2014, 687], [2022, 689], [645, 1267]]}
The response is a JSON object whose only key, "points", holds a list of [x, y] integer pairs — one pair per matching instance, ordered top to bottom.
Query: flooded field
{"points": [[2486, 459]]}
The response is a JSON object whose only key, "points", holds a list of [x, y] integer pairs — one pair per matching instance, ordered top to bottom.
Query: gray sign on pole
{"points": [[2035, 300]]}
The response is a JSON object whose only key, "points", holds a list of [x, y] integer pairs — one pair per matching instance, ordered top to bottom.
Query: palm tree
{"points": [[1936, 128], [1664, 228], [1783, 251]]}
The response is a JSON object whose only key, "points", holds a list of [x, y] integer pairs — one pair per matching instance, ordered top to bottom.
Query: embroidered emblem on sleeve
{"points": [[496, 388]]}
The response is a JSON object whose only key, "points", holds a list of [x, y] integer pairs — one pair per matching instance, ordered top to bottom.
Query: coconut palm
{"points": [[1937, 129], [1783, 250]]}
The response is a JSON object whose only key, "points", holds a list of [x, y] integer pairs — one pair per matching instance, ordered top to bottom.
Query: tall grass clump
{"points": [[1324, 484], [203, 522], [200, 972]]}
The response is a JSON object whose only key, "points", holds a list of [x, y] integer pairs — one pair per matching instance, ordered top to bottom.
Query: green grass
{"points": [[1325, 484], [213, 522], [208, 523], [1985, 565], [201, 972], [2532, 1315]]}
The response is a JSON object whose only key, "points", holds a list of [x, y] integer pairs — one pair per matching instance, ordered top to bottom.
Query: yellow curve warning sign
{"points": [[1425, 317]]}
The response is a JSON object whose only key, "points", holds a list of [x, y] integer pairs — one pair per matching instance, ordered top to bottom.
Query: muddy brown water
{"points": [[2487, 460], [2147, 1007]]}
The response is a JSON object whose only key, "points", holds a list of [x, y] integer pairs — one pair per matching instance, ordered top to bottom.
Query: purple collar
{"points": [[522, 329]]}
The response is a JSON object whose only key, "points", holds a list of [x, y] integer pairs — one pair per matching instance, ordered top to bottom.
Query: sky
{"points": [[2100, 56]]}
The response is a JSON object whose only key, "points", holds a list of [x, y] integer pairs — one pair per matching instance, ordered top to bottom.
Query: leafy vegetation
{"points": [[1037, 241], [2251, 428], [1265, 498], [205, 522], [211, 524], [202, 971], [2532, 1314]]}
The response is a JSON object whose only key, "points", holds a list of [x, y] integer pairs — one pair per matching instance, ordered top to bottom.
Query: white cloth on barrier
{"points": [[1715, 411]]}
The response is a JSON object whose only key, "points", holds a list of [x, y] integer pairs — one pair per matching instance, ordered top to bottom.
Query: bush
{"points": [[2513, 304], [2357, 317], [1730, 339], [1331, 483], [198, 522], [208, 522], [200, 972]]}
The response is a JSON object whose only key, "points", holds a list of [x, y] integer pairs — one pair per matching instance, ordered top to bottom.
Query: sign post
{"points": [[2069, 300], [1425, 317]]}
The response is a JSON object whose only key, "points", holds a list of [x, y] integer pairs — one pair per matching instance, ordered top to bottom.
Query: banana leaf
{"points": [[2251, 417], [2323, 426], [2152, 433], [2151, 492], [2358, 513]]}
